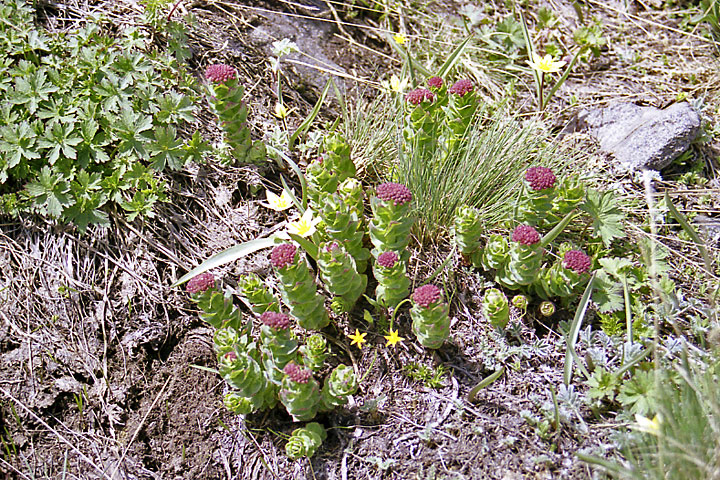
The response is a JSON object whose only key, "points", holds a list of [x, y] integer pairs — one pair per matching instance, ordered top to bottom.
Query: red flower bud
{"points": [[219, 72], [461, 87], [540, 178], [393, 192], [525, 234], [283, 255], [387, 259], [577, 261], [200, 283], [426, 295], [278, 321], [296, 373]]}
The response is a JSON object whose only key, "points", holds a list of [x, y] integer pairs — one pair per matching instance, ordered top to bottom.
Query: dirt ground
{"points": [[104, 368]]}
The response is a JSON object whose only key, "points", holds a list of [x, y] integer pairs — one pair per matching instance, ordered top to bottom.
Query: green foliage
{"points": [[85, 128], [606, 216], [339, 273], [496, 308], [431, 324], [430, 377], [340, 384], [638, 393], [305, 441]]}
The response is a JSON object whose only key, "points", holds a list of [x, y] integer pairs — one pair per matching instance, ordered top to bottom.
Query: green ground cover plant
{"points": [[90, 121]]}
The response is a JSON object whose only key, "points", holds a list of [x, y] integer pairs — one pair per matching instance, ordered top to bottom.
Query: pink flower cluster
{"points": [[219, 72], [435, 82], [462, 87], [419, 95], [540, 178], [393, 192], [525, 234], [283, 255], [387, 259], [577, 261], [200, 283], [426, 295], [278, 321], [296, 373]]}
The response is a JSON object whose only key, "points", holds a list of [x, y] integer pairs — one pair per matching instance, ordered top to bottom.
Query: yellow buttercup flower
{"points": [[399, 38], [546, 64], [278, 203], [305, 226], [393, 338], [358, 339], [646, 425]]}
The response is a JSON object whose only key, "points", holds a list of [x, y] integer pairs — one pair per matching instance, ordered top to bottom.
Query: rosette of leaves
{"points": [[225, 95], [423, 126], [329, 170], [350, 190], [570, 193], [539, 195], [391, 221], [342, 223], [467, 230], [495, 253], [524, 259], [338, 271], [391, 275], [566, 276], [297, 288], [253, 289], [496, 308], [216, 309], [429, 313], [225, 339], [277, 343], [314, 352], [241, 369], [340, 384], [300, 393], [237, 403], [305, 441]]}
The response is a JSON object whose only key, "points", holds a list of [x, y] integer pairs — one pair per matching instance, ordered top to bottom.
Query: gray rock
{"points": [[642, 137]]}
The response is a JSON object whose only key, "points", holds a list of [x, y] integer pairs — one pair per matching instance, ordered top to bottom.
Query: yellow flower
{"points": [[399, 38], [546, 64], [395, 84], [281, 111], [283, 202], [305, 226], [358, 338], [393, 338], [646, 425]]}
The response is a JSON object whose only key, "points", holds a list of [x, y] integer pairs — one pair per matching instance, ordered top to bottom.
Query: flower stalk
{"points": [[339, 273], [431, 323]]}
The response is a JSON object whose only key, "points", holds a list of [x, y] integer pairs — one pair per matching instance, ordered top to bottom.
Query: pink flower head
{"points": [[219, 72], [435, 82], [461, 87], [419, 95], [540, 178], [394, 192], [526, 235], [332, 246], [283, 255], [387, 259], [577, 261], [200, 283], [426, 295], [278, 321], [231, 356], [296, 373]]}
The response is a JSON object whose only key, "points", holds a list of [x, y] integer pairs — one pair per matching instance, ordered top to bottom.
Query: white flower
{"points": [[284, 46], [546, 64], [396, 85], [283, 202], [305, 226], [645, 425]]}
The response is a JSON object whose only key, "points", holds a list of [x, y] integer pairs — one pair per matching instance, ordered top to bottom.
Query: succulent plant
{"points": [[226, 99], [461, 109], [329, 170], [570, 193], [536, 204], [391, 221], [342, 222], [467, 230], [495, 254], [524, 259], [338, 271], [566, 276], [200, 283], [393, 284], [297, 288], [253, 289], [496, 308], [216, 309], [547, 309], [431, 323], [278, 344], [314, 352], [240, 368], [338, 386], [300, 393], [241, 405], [305, 441]]}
